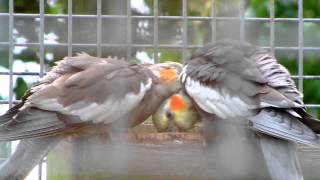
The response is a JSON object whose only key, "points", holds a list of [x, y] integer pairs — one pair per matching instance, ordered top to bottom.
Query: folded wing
{"points": [[234, 79], [78, 91]]}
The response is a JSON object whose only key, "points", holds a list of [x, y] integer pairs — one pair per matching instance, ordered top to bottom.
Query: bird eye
{"points": [[169, 115]]}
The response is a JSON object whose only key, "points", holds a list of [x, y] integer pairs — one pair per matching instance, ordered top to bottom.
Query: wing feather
{"points": [[277, 77], [248, 83], [78, 91], [283, 125]]}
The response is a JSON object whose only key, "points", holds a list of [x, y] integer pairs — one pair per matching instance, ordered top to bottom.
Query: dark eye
{"points": [[169, 115]]}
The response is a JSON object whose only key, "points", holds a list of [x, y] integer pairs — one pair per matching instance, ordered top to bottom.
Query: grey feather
{"points": [[262, 77], [263, 89], [79, 95], [32, 122], [282, 125], [234, 150], [28, 153], [281, 158]]}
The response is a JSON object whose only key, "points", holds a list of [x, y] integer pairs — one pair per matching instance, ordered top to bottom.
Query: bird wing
{"points": [[239, 68], [232, 79], [79, 90], [280, 90], [283, 125], [281, 158]]}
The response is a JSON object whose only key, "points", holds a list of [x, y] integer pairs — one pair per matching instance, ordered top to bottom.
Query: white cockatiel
{"points": [[82, 93], [245, 96]]}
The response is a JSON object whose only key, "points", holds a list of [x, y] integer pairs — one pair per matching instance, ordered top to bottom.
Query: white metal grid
{"points": [[128, 18], [129, 45]]}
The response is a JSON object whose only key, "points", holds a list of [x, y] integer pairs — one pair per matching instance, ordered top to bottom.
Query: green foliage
{"points": [[4, 6], [21, 6], [60, 7], [83, 7], [170, 7], [199, 8], [258, 8], [283, 8], [288, 9], [311, 9], [169, 55], [4, 57], [288, 59], [21, 87]]}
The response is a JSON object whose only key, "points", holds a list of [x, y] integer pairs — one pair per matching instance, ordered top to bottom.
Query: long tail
{"points": [[27, 155], [281, 158]]}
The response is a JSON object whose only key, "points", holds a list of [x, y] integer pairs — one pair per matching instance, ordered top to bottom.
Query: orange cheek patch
{"points": [[168, 75], [177, 103]]}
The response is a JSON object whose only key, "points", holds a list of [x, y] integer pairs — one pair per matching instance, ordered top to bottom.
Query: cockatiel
{"points": [[241, 90], [82, 92], [175, 114]]}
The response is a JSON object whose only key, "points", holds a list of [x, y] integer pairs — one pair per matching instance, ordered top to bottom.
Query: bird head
{"points": [[168, 75], [176, 113]]}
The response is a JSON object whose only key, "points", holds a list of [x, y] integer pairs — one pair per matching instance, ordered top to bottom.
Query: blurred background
{"points": [[149, 31]]}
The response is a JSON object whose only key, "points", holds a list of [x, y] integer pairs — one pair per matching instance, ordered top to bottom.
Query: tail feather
{"points": [[9, 114], [309, 120], [29, 123], [280, 124], [29, 152], [281, 158]]}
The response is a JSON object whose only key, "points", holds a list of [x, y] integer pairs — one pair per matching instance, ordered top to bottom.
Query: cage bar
{"points": [[28, 15], [128, 17], [213, 20], [242, 20], [272, 25], [70, 28], [99, 28], [155, 31], [128, 38], [11, 44], [300, 46]]}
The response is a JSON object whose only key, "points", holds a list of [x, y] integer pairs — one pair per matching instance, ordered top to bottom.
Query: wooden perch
{"points": [[145, 155]]}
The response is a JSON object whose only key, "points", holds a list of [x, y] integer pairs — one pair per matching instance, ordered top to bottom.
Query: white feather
{"points": [[182, 77], [217, 102], [265, 104], [217, 110], [293, 113]]}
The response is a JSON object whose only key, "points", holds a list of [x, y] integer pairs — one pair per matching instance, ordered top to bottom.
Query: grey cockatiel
{"points": [[79, 94], [245, 96]]}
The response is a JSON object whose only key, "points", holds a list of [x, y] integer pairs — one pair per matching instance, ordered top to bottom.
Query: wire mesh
{"points": [[156, 17]]}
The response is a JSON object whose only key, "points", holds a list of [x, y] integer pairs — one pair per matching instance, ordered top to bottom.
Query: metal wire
{"points": [[160, 17], [242, 20], [213, 21], [272, 24], [69, 28], [99, 28], [184, 29], [155, 31], [128, 37], [11, 44], [36, 44], [155, 44], [300, 45]]}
